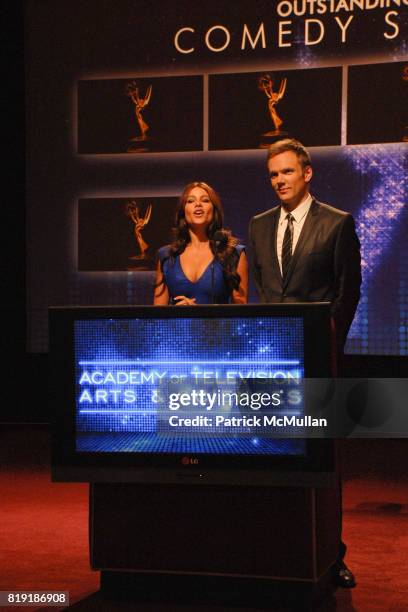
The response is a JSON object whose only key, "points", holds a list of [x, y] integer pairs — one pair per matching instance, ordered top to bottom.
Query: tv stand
{"points": [[180, 542]]}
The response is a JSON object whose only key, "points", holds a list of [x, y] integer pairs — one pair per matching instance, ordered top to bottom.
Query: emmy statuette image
{"points": [[265, 84], [140, 115], [139, 143], [140, 221], [123, 234]]}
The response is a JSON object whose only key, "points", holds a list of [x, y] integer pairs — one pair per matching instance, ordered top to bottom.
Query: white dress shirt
{"points": [[299, 217]]}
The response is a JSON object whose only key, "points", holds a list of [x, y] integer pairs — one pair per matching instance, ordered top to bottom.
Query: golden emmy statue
{"points": [[405, 78], [265, 84], [140, 102], [140, 221]]}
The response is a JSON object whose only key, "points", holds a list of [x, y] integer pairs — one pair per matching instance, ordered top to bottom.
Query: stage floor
{"points": [[45, 529]]}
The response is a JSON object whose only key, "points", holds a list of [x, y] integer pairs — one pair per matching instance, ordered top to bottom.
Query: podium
{"points": [[210, 501], [252, 543]]}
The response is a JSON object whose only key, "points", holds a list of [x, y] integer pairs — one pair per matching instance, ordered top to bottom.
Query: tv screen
{"points": [[167, 394]]}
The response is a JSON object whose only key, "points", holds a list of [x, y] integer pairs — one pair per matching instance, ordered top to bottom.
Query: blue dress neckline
{"points": [[178, 262], [209, 288]]}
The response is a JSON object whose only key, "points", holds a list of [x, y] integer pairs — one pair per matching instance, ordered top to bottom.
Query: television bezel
{"points": [[317, 467]]}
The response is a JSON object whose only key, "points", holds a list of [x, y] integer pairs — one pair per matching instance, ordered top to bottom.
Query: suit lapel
{"points": [[273, 232], [306, 235]]}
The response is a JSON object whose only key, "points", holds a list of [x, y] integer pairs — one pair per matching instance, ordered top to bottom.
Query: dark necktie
{"points": [[287, 246]]}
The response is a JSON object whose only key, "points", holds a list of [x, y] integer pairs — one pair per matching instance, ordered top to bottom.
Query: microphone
{"points": [[219, 239]]}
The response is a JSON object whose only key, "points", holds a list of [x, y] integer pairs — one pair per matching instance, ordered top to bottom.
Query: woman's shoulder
{"points": [[240, 248], [164, 252]]}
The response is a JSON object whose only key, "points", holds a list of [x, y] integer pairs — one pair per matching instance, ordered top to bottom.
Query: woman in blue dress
{"points": [[205, 264]]}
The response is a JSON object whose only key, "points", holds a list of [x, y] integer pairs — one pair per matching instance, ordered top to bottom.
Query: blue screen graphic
{"points": [[184, 385]]}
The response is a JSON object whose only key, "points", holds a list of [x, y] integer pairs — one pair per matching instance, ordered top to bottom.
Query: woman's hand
{"points": [[240, 295], [182, 300]]}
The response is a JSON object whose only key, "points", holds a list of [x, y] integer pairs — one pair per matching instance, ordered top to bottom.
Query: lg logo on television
{"points": [[189, 461]]}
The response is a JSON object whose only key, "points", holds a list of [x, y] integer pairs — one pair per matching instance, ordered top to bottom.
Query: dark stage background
{"points": [[347, 102], [374, 514]]}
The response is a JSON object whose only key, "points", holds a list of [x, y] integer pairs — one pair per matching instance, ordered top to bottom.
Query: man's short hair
{"points": [[290, 144]]}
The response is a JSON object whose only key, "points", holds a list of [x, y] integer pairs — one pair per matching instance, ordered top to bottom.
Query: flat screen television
{"points": [[186, 394]]}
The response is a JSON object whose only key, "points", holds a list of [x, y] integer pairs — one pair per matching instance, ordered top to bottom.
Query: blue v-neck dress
{"points": [[210, 288]]}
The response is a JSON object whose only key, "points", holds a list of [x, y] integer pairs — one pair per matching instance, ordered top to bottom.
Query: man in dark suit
{"points": [[306, 251]]}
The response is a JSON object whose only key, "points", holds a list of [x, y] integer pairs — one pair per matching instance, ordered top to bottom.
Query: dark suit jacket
{"points": [[325, 265]]}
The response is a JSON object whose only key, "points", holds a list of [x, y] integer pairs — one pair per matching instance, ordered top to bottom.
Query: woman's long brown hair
{"points": [[222, 242]]}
